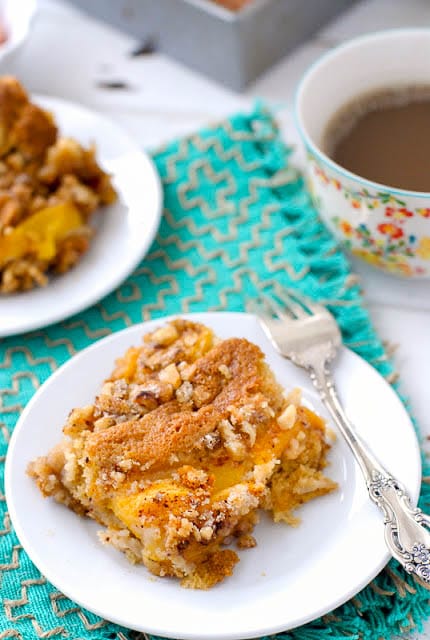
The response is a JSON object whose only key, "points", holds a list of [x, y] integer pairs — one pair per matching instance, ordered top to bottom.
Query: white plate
{"points": [[125, 229], [294, 574]]}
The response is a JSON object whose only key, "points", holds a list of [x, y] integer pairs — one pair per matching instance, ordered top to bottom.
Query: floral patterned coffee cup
{"points": [[387, 227]]}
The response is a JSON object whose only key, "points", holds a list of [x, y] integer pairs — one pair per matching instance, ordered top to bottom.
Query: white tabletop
{"points": [[68, 54]]}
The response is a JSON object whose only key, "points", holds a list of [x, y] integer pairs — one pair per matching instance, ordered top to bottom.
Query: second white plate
{"points": [[125, 230], [293, 576]]}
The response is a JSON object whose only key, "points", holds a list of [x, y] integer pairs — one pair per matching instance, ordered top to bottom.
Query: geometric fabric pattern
{"points": [[237, 220]]}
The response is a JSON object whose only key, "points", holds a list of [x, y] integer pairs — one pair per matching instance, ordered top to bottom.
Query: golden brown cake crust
{"points": [[175, 427], [168, 429]]}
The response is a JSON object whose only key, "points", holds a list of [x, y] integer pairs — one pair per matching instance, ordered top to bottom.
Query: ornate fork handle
{"points": [[406, 528]]}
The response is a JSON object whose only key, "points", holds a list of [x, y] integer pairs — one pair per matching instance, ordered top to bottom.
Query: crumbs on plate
{"points": [[49, 188], [186, 440]]}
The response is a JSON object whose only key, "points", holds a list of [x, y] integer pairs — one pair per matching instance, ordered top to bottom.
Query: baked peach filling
{"points": [[40, 234]]}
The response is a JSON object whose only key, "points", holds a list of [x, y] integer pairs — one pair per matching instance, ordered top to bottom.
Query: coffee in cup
{"points": [[363, 111], [384, 136]]}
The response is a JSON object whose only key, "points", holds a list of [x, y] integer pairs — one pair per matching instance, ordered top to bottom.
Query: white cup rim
{"points": [[323, 59]]}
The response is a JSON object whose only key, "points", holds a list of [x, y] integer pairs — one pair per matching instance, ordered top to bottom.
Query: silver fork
{"points": [[307, 334]]}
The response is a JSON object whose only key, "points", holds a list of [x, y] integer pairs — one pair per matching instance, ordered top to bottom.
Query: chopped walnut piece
{"points": [[164, 335], [186, 370], [171, 375], [185, 392], [152, 393], [288, 417], [103, 423], [250, 430], [211, 440], [232, 440], [206, 533]]}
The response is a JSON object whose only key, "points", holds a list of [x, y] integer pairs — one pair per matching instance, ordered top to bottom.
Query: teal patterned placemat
{"points": [[237, 219]]}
